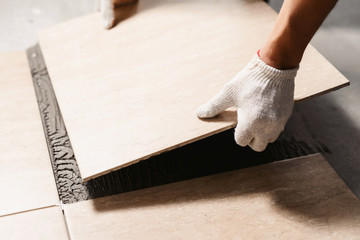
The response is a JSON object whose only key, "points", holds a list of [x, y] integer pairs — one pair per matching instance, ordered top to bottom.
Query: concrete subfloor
{"points": [[330, 122]]}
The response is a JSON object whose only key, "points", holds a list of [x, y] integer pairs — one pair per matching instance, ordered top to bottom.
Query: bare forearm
{"points": [[296, 24]]}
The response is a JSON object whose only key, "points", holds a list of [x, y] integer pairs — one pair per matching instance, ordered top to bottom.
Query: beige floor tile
{"points": [[132, 92], [26, 177], [301, 198], [47, 223]]}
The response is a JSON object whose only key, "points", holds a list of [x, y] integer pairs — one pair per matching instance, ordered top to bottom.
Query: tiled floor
{"points": [[331, 122], [26, 176], [294, 199], [41, 224]]}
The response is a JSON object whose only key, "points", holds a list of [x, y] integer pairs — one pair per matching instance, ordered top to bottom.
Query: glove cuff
{"points": [[271, 75]]}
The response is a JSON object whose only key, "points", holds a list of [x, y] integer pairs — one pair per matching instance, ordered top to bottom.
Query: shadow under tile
{"points": [[212, 155], [307, 189]]}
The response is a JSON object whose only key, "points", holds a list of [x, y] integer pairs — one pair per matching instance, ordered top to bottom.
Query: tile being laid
{"points": [[131, 92], [26, 177], [301, 198], [47, 223]]}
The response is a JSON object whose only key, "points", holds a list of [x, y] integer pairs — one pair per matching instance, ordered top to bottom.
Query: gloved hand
{"points": [[107, 8], [264, 97]]}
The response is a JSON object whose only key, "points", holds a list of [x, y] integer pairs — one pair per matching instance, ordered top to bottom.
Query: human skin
{"points": [[296, 24], [263, 90], [264, 108]]}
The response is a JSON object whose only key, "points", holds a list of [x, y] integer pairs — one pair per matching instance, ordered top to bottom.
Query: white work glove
{"points": [[107, 9], [107, 13], [264, 97]]}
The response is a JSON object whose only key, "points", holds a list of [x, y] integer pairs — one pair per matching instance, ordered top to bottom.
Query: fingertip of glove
{"points": [[107, 14], [108, 23], [203, 112], [242, 138], [240, 143], [243, 143], [258, 147]]}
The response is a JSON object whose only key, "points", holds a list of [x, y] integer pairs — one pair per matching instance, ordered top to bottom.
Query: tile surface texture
{"points": [[131, 92], [26, 177], [301, 198], [47, 223]]}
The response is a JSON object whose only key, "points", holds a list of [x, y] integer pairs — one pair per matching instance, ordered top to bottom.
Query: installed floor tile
{"points": [[26, 176], [301, 198], [47, 223]]}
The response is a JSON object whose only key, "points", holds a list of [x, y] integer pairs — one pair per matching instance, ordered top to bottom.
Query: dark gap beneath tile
{"points": [[215, 154]]}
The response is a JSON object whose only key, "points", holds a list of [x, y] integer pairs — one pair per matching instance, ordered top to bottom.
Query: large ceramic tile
{"points": [[132, 92], [26, 177], [301, 198], [47, 223]]}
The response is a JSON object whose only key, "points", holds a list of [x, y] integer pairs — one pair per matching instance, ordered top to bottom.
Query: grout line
{"points": [[58, 143], [30, 210], [65, 220]]}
